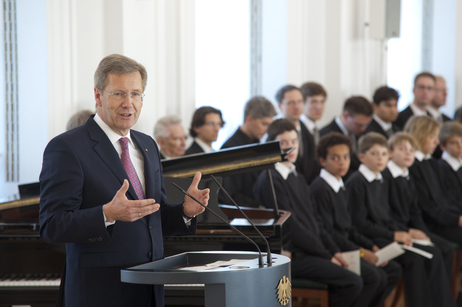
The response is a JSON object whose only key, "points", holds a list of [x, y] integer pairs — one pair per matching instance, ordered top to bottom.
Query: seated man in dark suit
{"points": [[424, 92], [441, 93], [315, 97], [291, 103], [385, 105], [258, 115], [356, 116], [205, 124], [170, 136], [102, 193]]}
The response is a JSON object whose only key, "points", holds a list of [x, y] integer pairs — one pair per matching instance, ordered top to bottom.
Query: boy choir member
{"points": [[424, 92], [314, 97], [291, 103], [385, 106], [258, 115], [356, 116], [205, 124], [170, 136], [450, 138], [331, 199], [404, 205], [440, 211], [315, 255], [426, 280]]}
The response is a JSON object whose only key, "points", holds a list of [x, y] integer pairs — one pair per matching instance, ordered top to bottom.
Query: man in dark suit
{"points": [[424, 92], [290, 102], [385, 106], [258, 115], [356, 116], [205, 124], [170, 136], [102, 193]]}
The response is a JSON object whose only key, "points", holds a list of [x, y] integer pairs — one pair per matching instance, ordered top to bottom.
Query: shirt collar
{"points": [[417, 111], [434, 112], [310, 125], [341, 126], [385, 126], [111, 134], [206, 148], [421, 156], [453, 162], [285, 170], [396, 171], [368, 174], [334, 183]]}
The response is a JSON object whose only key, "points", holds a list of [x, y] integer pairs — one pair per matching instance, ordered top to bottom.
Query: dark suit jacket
{"points": [[403, 117], [374, 126], [193, 149], [354, 160], [308, 165], [81, 172]]}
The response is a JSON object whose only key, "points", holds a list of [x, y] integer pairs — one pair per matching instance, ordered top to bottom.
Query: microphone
{"points": [[260, 257], [269, 260]]}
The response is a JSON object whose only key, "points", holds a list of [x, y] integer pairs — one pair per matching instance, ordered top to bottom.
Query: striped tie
{"points": [[130, 169]]}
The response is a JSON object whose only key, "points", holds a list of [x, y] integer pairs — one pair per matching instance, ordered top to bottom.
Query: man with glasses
{"points": [[424, 92], [441, 93], [356, 116], [205, 124], [170, 136], [102, 194]]}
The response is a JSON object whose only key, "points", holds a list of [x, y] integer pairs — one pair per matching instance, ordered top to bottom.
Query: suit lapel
{"points": [[108, 154]]}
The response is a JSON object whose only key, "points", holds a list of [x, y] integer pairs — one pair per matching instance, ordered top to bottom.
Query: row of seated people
{"points": [[303, 107], [397, 194]]}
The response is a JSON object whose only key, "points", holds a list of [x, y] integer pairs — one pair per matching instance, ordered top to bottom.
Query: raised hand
{"points": [[190, 207], [120, 208]]}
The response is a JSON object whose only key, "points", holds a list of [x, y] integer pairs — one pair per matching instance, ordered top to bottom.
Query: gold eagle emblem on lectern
{"points": [[284, 291]]}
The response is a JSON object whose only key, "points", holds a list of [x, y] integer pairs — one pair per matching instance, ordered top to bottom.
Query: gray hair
{"points": [[119, 65], [259, 107], [78, 119], [160, 129]]}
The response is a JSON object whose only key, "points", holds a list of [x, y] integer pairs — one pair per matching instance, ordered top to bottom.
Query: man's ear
{"points": [[98, 95], [248, 119], [160, 141], [443, 147], [361, 157], [322, 161]]}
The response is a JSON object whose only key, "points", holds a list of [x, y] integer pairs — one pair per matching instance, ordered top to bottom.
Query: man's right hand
{"points": [[120, 208]]}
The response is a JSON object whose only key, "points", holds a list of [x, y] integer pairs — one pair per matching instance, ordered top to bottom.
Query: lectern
{"points": [[242, 284]]}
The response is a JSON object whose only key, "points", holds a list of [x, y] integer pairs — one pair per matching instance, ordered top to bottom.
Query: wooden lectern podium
{"points": [[242, 284]]}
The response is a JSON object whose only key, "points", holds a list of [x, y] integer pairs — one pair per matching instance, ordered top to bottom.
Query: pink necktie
{"points": [[130, 169]]}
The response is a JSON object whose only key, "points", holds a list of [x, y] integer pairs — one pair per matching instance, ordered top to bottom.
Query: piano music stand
{"points": [[248, 285]]}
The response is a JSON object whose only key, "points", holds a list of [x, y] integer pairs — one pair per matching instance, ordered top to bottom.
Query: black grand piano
{"points": [[30, 269]]}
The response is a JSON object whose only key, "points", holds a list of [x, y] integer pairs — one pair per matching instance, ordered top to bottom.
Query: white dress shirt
{"points": [[453, 162], [368, 174], [332, 181]]}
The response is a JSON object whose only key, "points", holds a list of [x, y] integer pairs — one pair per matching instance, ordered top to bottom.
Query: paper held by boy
{"points": [[394, 249]]}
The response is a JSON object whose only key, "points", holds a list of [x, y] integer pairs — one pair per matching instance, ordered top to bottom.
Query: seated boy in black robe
{"points": [[450, 138], [331, 199], [404, 205], [439, 210], [315, 255], [426, 281]]}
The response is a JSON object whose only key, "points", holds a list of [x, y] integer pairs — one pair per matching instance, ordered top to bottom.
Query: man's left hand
{"points": [[190, 207]]}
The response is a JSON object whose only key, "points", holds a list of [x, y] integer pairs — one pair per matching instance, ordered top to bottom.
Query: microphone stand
{"points": [[260, 257], [269, 260]]}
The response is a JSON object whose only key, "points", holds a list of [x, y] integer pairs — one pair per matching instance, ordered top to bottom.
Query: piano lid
{"points": [[229, 161]]}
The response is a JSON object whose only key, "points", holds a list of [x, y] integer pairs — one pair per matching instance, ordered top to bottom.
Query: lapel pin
{"points": [[146, 149]]}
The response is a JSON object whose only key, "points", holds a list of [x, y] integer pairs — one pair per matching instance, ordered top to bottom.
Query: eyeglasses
{"points": [[423, 87], [120, 96], [212, 124]]}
